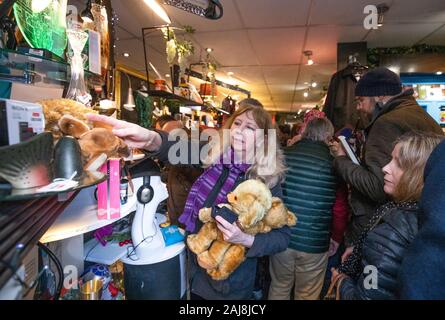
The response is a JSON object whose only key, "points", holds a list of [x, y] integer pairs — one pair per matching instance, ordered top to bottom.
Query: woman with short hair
{"points": [[372, 271]]}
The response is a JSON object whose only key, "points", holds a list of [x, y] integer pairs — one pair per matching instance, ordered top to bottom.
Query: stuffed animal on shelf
{"points": [[54, 109], [97, 144], [258, 212]]}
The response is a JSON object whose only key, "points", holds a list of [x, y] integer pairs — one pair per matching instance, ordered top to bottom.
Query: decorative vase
{"points": [[77, 89]]}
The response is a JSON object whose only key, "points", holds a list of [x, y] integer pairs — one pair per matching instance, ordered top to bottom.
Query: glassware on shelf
{"points": [[77, 90]]}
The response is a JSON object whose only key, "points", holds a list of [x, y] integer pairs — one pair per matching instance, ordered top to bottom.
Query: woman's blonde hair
{"points": [[264, 121], [414, 150]]}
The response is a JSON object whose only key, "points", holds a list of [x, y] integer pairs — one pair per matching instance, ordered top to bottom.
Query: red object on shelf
{"points": [[205, 89]]}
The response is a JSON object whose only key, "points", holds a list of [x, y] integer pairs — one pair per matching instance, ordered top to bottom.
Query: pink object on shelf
{"points": [[108, 192], [114, 194], [102, 196]]}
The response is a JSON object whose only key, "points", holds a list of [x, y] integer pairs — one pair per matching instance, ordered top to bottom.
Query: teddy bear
{"points": [[54, 109], [97, 144], [258, 212]]}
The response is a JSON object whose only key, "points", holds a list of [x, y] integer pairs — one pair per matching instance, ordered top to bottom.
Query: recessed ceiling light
{"points": [[209, 50], [126, 54], [310, 62], [230, 73], [439, 73], [167, 75], [314, 84], [306, 94]]}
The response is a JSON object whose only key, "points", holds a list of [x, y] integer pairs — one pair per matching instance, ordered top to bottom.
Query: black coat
{"points": [[340, 106], [400, 115], [384, 247], [423, 270]]}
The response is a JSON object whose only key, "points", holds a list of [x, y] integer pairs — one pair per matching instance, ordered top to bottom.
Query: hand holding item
{"points": [[132, 134], [233, 234], [347, 253]]}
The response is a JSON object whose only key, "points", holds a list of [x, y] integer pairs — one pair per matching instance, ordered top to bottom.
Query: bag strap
{"points": [[335, 285]]}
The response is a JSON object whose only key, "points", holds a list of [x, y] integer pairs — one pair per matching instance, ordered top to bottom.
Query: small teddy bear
{"points": [[54, 109], [97, 144], [258, 212]]}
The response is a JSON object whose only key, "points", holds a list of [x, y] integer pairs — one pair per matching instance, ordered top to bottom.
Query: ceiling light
{"points": [[156, 7], [86, 14], [209, 50], [126, 54], [308, 54], [230, 73], [439, 73], [167, 75], [314, 84], [306, 94], [129, 104]]}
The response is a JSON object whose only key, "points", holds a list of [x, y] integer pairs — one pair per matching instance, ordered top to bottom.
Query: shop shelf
{"points": [[34, 69], [81, 216], [111, 252]]}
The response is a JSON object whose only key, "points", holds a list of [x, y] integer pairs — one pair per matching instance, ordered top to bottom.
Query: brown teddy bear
{"points": [[54, 109], [97, 144], [258, 212]]}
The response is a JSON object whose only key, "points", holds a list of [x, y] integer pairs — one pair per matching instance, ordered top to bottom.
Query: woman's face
{"points": [[242, 133], [392, 172]]}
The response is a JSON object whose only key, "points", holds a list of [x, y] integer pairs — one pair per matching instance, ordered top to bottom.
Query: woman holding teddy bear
{"points": [[239, 144]]}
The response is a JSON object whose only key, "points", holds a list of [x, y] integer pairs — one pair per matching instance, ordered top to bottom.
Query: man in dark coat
{"points": [[393, 113], [422, 276]]}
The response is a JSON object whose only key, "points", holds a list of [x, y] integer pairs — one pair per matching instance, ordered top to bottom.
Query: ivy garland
{"points": [[374, 54]]}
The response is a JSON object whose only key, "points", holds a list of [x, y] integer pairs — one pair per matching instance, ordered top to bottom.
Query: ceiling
{"points": [[262, 41]]}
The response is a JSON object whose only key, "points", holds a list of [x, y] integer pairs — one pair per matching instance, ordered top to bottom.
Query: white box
{"points": [[19, 121]]}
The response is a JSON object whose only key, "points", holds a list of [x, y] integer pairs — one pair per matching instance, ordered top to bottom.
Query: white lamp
{"points": [[130, 104]]}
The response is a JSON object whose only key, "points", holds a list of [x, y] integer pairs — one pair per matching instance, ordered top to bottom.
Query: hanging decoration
{"points": [[180, 48], [374, 54]]}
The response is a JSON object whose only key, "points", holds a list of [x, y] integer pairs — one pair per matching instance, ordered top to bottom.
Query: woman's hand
{"points": [[132, 134], [233, 234], [333, 247], [347, 253], [334, 274]]}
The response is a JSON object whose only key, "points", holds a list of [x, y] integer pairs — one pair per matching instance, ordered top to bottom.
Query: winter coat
{"points": [[399, 115], [309, 191], [384, 248], [423, 270], [240, 284]]}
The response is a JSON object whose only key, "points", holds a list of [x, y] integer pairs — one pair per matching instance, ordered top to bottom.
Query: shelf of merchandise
{"points": [[32, 68], [81, 216]]}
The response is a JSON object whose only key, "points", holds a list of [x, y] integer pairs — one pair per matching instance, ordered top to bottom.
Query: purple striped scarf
{"points": [[204, 185]]}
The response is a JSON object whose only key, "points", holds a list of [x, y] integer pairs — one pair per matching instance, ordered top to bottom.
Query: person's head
{"points": [[376, 86], [250, 102], [312, 114], [168, 123], [319, 130], [245, 141], [404, 174]]}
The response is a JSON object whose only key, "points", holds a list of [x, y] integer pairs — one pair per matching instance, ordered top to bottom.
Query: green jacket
{"points": [[309, 192]]}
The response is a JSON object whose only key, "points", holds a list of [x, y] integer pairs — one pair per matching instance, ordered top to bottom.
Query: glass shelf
{"points": [[34, 69], [7, 193]]}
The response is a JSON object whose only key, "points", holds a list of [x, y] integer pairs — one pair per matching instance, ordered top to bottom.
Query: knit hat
{"points": [[379, 82]]}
